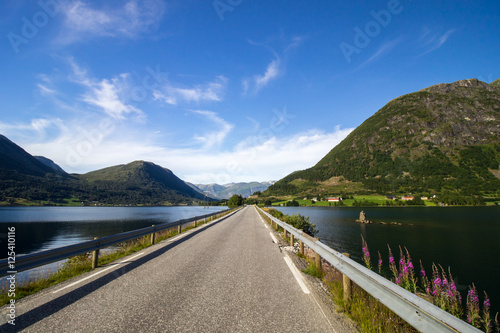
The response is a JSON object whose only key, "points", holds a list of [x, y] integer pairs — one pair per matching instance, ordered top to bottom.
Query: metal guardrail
{"points": [[33, 260], [417, 312]]}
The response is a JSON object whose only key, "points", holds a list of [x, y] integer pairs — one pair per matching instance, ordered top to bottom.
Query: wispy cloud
{"points": [[83, 21], [431, 41], [384, 49], [273, 70], [260, 81], [44, 90], [208, 92], [105, 94], [37, 126], [217, 136]]}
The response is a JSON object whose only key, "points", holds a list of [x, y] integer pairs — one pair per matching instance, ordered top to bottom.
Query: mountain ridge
{"points": [[446, 136], [37, 178], [225, 191]]}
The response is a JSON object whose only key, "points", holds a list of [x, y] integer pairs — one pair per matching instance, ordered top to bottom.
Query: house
{"points": [[390, 197], [407, 198], [334, 199]]}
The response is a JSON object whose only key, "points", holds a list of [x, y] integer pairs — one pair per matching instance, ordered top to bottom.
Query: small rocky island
{"points": [[362, 218]]}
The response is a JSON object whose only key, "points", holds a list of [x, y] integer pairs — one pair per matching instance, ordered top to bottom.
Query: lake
{"points": [[43, 228], [466, 239]]}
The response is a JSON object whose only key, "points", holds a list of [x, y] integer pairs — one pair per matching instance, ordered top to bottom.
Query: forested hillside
{"points": [[442, 138]]}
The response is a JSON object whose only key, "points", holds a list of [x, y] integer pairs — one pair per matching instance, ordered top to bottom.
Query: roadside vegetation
{"points": [[298, 221], [438, 288]]}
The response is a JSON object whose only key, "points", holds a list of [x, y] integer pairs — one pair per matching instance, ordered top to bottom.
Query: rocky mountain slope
{"points": [[445, 137]]}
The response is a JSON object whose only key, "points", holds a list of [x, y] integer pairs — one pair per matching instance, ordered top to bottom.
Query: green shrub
{"points": [[302, 223]]}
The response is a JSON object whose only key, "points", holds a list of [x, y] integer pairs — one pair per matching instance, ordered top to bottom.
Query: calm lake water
{"points": [[43, 228], [467, 239]]}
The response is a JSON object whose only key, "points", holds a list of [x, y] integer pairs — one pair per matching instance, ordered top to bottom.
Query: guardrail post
{"points": [[195, 223], [179, 228], [285, 233], [153, 237], [291, 239], [301, 247], [95, 257], [319, 267], [347, 284]]}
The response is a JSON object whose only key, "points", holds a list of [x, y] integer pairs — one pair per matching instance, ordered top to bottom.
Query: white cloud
{"points": [[82, 21], [273, 70], [271, 73], [259, 81], [208, 92], [107, 94], [37, 129], [216, 137], [89, 146], [269, 159]]}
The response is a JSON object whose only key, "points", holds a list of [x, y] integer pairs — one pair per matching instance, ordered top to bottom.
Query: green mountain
{"points": [[442, 138], [14, 158], [48, 162], [38, 178], [138, 182]]}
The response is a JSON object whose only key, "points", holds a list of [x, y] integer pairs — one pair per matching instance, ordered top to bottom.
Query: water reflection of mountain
{"points": [[42, 228], [36, 236]]}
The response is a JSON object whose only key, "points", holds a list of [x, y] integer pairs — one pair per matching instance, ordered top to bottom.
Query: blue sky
{"points": [[227, 90]]}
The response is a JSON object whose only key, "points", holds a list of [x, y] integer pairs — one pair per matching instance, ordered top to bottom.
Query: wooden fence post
{"points": [[153, 237], [291, 240], [301, 247], [95, 257], [319, 267], [347, 284]]}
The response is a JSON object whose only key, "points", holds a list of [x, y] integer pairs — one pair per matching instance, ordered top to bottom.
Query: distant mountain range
{"points": [[442, 138], [40, 179], [226, 191]]}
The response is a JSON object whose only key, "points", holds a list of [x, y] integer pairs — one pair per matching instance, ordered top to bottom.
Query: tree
{"points": [[235, 201]]}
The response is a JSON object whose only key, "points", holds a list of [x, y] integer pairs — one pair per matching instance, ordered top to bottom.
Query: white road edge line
{"points": [[176, 238], [274, 238], [101, 271], [296, 275], [323, 312]]}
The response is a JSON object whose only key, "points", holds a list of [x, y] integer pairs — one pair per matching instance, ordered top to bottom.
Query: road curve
{"points": [[227, 276]]}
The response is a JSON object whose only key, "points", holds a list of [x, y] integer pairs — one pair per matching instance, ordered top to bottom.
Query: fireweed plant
{"points": [[438, 288]]}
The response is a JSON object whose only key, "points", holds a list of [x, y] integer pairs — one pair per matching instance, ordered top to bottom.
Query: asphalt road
{"points": [[227, 276]]}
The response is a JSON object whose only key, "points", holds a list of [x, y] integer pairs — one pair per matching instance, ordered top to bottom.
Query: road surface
{"points": [[227, 276]]}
